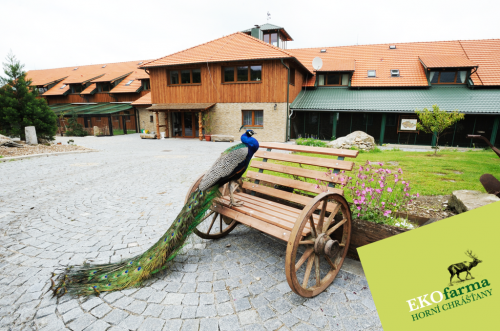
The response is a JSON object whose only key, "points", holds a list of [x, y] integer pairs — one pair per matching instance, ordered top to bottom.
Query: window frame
{"points": [[235, 70], [368, 73], [341, 75], [180, 77], [454, 81], [146, 84], [101, 85], [74, 88], [253, 125]]}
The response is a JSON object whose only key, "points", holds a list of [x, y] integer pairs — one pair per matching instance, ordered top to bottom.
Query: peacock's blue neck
{"points": [[251, 143]]}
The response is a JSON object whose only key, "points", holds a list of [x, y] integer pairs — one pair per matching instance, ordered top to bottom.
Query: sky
{"points": [[52, 33]]}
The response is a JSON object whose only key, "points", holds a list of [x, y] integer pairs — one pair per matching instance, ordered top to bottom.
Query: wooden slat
{"points": [[309, 149], [315, 161], [308, 173], [309, 187], [287, 195], [263, 214], [252, 222]]}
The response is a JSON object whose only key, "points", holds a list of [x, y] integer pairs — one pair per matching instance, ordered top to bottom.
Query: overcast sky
{"points": [[51, 34]]}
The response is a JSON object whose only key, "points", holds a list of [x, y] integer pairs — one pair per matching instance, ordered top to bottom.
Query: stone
{"points": [[97, 131], [30, 133], [147, 136], [222, 137], [358, 139], [465, 200]]}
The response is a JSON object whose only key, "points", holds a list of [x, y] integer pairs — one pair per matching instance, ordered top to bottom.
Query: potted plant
{"points": [[207, 125]]}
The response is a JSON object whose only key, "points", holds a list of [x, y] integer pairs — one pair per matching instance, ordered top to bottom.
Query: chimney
{"points": [[257, 33]]}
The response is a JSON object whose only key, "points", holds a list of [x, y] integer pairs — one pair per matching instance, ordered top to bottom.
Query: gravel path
{"points": [[115, 203]]}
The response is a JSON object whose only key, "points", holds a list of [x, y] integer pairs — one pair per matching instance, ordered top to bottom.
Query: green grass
{"points": [[117, 132], [427, 174]]}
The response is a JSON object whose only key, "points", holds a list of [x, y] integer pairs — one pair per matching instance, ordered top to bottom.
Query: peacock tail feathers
{"points": [[94, 279]]}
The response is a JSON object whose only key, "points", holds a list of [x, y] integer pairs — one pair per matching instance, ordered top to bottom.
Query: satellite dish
{"points": [[317, 63]]}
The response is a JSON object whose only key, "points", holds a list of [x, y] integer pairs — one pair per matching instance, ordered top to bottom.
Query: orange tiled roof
{"points": [[234, 47], [486, 53], [406, 58], [446, 61], [338, 65], [83, 73], [111, 76], [124, 88], [58, 89], [89, 89], [145, 100]]}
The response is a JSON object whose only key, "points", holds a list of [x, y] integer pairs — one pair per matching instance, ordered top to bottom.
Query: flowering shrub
{"points": [[377, 193]]}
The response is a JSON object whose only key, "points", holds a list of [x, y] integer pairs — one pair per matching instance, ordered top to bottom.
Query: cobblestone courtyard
{"points": [[112, 204]]}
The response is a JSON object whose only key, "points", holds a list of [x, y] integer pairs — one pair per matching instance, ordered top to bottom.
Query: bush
{"points": [[75, 128], [311, 142]]}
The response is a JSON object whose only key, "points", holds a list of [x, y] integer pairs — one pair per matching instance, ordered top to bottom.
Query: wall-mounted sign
{"points": [[408, 123]]}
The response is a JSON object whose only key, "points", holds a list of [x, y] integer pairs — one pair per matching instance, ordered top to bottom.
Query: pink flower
{"points": [[380, 164], [388, 171], [396, 180], [403, 182], [381, 185], [389, 189], [404, 189], [378, 191], [407, 194], [418, 195], [383, 204], [359, 208], [387, 212], [358, 214]]}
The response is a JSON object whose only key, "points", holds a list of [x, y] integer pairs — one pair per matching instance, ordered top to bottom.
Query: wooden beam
{"points": [[166, 125], [200, 125], [157, 126]]}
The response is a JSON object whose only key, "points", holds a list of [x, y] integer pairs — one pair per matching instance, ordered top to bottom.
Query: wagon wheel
{"points": [[214, 225], [324, 248]]}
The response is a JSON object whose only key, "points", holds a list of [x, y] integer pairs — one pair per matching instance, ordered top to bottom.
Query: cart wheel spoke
{"points": [[322, 214], [329, 221], [212, 223], [339, 224], [313, 227], [306, 242], [303, 258], [330, 262], [316, 265], [308, 270]]}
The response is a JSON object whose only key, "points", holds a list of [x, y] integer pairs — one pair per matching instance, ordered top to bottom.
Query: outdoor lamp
{"points": [[275, 106]]}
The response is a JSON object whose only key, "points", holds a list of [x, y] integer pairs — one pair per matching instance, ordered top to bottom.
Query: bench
{"points": [[313, 219]]}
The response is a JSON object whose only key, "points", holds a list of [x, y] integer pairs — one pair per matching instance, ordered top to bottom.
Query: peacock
{"points": [[94, 279]]}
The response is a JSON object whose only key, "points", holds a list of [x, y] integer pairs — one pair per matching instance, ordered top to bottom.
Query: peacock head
{"points": [[248, 133]]}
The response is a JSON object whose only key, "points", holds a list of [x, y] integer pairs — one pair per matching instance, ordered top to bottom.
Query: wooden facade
{"points": [[271, 88], [97, 97]]}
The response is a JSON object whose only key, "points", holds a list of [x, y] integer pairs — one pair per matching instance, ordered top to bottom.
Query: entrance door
{"points": [[185, 124]]}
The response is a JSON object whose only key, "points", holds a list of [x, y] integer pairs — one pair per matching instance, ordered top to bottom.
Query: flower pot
{"points": [[208, 137]]}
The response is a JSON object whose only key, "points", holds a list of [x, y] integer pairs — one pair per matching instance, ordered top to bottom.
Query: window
{"points": [[271, 38], [392, 46], [323, 50], [104, 66], [394, 72], [372, 73], [242, 74], [186, 76], [292, 76], [448, 77], [333, 79], [129, 82], [64, 85], [146, 85], [104, 87], [76, 88], [42, 90], [253, 118], [151, 119]]}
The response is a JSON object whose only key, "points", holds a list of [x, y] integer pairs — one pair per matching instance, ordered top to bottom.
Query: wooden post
{"points": [[124, 120], [110, 124], [166, 124], [200, 125], [157, 126], [334, 128], [382, 128], [494, 132]]}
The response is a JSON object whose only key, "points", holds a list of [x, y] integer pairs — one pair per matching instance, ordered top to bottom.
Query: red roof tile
{"points": [[235, 47], [486, 53], [446, 61], [338, 65], [59, 89], [89, 89], [145, 100]]}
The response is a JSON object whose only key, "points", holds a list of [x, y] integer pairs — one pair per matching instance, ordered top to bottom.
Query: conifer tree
{"points": [[20, 107]]}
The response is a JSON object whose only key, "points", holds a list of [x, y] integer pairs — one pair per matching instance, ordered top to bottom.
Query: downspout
{"points": [[287, 134]]}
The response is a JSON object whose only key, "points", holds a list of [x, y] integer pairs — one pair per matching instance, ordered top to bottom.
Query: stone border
{"points": [[6, 159]]}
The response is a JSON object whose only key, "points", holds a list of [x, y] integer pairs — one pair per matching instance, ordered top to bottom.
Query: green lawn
{"points": [[117, 132], [431, 175]]}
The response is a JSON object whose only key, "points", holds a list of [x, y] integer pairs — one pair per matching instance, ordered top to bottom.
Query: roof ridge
{"points": [[398, 43], [185, 50], [87, 65]]}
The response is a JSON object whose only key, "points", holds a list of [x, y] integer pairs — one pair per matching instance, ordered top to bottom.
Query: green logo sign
{"points": [[417, 282]]}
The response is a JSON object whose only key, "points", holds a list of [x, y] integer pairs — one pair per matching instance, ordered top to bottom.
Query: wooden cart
{"points": [[315, 221]]}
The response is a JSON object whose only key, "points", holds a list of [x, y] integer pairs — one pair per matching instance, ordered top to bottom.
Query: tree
{"points": [[20, 107], [436, 121], [75, 128]]}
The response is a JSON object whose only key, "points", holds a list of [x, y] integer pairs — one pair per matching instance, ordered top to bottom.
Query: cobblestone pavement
{"points": [[115, 203]]}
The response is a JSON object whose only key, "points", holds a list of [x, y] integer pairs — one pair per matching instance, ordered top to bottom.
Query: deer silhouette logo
{"points": [[457, 268]]}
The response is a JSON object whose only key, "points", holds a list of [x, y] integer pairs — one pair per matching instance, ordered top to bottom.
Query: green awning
{"points": [[463, 99], [91, 109]]}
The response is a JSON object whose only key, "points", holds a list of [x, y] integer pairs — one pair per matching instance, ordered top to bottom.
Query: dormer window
{"points": [[372, 73], [448, 77], [333, 79], [129, 82], [146, 85], [103, 87], [76, 88]]}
